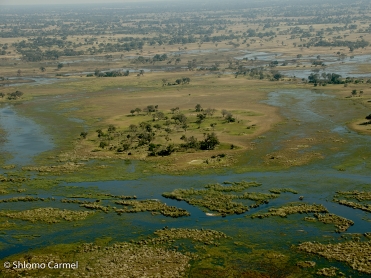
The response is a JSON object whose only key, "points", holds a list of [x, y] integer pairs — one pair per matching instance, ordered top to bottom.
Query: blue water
{"points": [[24, 139]]}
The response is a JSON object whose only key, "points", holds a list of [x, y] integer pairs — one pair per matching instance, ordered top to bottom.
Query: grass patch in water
{"points": [[213, 197], [155, 206], [48, 215], [355, 254], [131, 259]]}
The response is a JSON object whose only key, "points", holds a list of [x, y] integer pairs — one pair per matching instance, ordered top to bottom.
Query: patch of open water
{"points": [[24, 139]]}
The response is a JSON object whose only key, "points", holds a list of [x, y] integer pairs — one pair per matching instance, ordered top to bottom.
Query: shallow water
{"points": [[260, 56], [346, 67], [32, 81], [24, 139]]}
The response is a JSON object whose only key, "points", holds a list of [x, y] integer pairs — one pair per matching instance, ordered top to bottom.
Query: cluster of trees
{"points": [[253, 33], [337, 43], [36, 55], [159, 57], [156, 58], [259, 72], [114, 73], [325, 78], [356, 80], [179, 81], [354, 93], [15, 95], [12, 96], [147, 110], [228, 116], [145, 134], [209, 142]]}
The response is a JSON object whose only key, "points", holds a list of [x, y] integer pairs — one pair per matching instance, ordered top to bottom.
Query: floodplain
{"points": [[153, 140]]}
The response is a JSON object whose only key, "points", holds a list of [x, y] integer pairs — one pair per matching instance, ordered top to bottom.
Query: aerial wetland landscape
{"points": [[174, 139]]}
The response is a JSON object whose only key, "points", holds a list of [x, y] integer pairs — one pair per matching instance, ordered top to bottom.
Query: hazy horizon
{"points": [[62, 2]]}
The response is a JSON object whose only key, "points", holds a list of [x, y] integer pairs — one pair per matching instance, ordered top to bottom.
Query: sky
{"points": [[38, 2]]}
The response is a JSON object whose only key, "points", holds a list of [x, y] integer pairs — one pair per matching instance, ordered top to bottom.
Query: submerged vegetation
{"points": [[162, 103], [214, 199], [154, 206], [292, 209], [48, 215], [168, 236], [355, 254], [97, 260]]}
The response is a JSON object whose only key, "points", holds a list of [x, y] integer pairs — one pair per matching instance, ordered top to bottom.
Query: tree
{"points": [[60, 66], [43, 69], [19, 72], [277, 76], [313, 78], [186, 80], [354, 93], [2, 95], [15, 95], [198, 108], [149, 109], [174, 109], [138, 110], [132, 111], [210, 111], [224, 112], [159, 115], [229, 117], [181, 118], [200, 119], [213, 125], [145, 126], [157, 126], [185, 127], [111, 128], [133, 128], [100, 133], [83, 134], [145, 138], [210, 142], [103, 144]]}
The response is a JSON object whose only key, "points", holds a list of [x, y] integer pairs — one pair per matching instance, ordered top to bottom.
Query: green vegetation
{"points": [[155, 132], [214, 199], [154, 206], [291, 209], [48, 215], [169, 236], [353, 253]]}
